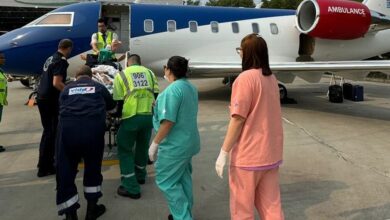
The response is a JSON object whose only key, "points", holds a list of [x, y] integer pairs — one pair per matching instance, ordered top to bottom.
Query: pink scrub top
{"points": [[255, 97]]}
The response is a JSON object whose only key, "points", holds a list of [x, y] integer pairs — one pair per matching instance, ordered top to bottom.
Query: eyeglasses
{"points": [[238, 50]]}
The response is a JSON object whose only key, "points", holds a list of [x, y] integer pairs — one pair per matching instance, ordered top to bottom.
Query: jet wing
{"points": [[306, 70]]}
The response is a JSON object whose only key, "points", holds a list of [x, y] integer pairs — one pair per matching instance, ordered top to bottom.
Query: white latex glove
{"points": [[153, 151], [221, 162]]}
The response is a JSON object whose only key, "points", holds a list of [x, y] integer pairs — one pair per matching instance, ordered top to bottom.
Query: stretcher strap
{"points": [[92, 189], [68, 203]]}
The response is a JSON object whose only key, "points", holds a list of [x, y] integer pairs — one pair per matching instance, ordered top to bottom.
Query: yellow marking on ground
{"points": [[104, 163]]}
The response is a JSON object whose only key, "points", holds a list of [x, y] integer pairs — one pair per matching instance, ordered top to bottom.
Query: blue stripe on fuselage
{"points": [[160, 14], [36, 44]]}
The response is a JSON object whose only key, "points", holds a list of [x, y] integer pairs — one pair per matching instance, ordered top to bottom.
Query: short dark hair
{"points": [[102, 20], [65, 44], [255, 54], [135, 58], [178, 66], [84, 71]]}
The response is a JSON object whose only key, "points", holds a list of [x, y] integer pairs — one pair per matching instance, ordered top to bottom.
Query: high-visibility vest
{"points": [[100, 41], [139, 88], [3, 89]]}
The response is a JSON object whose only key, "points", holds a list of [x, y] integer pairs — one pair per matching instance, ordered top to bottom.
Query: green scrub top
{"points": [[178, 103]]}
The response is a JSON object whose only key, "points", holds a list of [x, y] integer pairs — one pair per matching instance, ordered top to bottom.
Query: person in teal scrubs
{"points": [[177, 139]]}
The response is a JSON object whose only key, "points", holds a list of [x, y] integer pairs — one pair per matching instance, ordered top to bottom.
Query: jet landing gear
{"points": [[282, 91], [283, 95]]}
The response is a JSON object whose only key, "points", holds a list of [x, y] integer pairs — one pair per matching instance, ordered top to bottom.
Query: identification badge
{"points": [[140, 80], [81, 90]]}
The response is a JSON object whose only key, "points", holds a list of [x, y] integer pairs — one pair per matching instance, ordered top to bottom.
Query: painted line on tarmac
{"points": [[104, 163]]}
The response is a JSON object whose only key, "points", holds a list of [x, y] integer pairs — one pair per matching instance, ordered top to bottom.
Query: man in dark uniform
{"points": [[51, 84], [81, 129]]}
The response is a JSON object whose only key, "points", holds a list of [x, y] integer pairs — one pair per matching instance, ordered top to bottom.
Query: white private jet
{"points": [[320, 36]]}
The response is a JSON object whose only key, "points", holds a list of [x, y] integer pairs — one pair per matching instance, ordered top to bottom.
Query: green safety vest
{"points": [[100, 41], [138, 87], [3, 89]]}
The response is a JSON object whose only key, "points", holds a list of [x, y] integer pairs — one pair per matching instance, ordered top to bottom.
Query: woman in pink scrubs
{"points": [[255, 137]]}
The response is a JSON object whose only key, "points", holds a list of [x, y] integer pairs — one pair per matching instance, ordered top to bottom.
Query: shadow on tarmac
{"points": [[21, 147], [298, 197], [378, 212]]}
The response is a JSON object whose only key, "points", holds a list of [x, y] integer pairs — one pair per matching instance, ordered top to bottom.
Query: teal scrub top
{"points": [[178, 103]]}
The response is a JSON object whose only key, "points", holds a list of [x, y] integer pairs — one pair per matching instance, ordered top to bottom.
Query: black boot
{"points": [[94, 211], [71, 216], [170, 217]]}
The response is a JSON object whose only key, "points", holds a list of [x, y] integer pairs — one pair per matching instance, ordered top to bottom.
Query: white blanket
{"points": [[105, 75]]}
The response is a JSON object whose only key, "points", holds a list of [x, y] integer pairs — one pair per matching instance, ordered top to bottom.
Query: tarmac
{"points": [[336, 160]]}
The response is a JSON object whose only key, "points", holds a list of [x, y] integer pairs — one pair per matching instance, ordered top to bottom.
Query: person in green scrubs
{"points": [[177, 139]]}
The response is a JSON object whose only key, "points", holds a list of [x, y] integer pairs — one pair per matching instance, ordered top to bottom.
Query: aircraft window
{"points": [[54, 19], [148, 26], [171, 26], [193, 26], [214, 26], [235, 27], [255, 28], [274, 28]]}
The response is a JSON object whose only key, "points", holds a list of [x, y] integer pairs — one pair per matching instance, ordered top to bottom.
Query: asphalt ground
{"points": [[336, 160]]}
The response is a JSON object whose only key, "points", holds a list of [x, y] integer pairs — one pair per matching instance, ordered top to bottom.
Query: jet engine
{"points": [[338, 19]]}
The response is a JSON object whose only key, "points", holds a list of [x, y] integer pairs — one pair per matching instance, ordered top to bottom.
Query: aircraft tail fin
{"points": [[381, 6]]}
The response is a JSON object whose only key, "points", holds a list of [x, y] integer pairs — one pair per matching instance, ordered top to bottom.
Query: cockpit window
{"points": [[54, 20]]}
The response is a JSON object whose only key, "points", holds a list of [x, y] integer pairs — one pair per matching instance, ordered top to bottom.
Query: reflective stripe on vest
{"points": [[101, 43], [127, 84]]}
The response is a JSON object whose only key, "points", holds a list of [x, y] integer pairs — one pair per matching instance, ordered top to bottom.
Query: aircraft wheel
{"points": [[26, 82], [30, 82], [282, 91]]}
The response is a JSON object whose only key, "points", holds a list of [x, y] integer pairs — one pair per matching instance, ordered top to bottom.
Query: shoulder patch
{"points": [[82, 90]]}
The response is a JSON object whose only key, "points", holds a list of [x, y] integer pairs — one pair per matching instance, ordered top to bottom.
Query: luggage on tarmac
{"points": [[347, 91], [353, 92], [357, 93], [336, 94]]}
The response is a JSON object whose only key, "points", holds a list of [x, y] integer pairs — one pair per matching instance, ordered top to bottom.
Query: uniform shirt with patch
{"points": [[55, 65], [255, 97], [85, 98], [178, 103]]}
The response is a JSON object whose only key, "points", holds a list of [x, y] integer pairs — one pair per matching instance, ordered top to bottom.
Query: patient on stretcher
{"points": [[104, 65]]}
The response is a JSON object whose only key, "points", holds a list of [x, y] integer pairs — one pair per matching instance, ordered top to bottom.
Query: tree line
{"points": [[286, 4]]}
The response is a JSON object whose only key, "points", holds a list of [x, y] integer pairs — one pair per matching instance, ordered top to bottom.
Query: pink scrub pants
{"points": [[255, 189]]}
